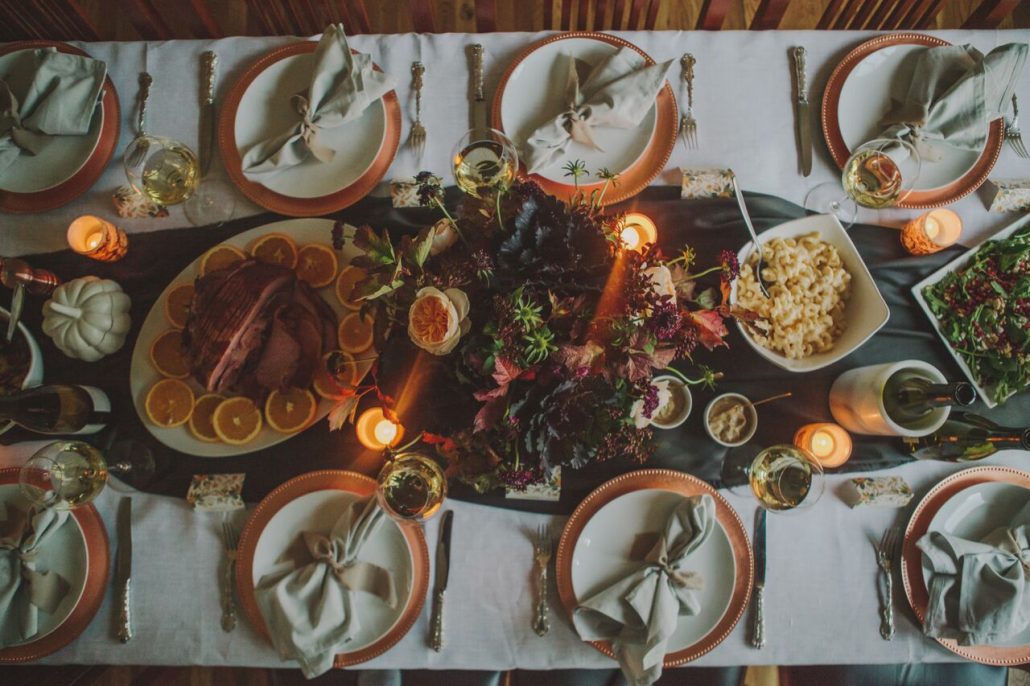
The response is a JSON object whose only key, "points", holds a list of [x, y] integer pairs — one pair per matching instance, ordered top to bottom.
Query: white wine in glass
{"points": [[485, 162], [164, 170], [872, 179], [64, 475], [784, 478], [411, 486]]}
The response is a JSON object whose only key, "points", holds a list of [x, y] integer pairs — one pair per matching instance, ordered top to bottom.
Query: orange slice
{"points": [[275, 248], [220, 257], [317, 264], [345, 286], [177, 305], [355, 333], [168, 354], [332, 385], [169, 403], [291, 410], [202, 420], [237, 420]]}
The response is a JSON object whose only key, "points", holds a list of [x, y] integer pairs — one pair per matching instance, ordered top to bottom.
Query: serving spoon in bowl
{"points": [[763, 285]]}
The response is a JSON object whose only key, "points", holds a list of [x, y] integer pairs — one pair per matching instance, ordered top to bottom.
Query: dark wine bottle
{"points": [[908, 397], [57, 409], [966, 437]]}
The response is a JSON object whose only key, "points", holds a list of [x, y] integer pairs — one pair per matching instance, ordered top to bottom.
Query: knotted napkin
{"points": [[341, 87], [618, 93], [954, 93], [60, 100], [24, 589], [978, 589], [308, 607], [639, 612]]}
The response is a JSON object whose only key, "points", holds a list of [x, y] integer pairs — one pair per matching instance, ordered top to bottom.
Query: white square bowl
{"points": [[866, 311]]}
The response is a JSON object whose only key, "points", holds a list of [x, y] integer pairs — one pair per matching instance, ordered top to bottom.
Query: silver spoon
{"points": [[141, 144], [754, 238]]}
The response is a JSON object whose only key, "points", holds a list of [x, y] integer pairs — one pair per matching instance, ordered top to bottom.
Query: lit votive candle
{"points": [[638, 231], [931, 231], [97, 239], [375, 431], [828, 443]]}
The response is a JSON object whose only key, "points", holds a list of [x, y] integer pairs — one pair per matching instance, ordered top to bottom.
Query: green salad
{"points": [[983, 310]]}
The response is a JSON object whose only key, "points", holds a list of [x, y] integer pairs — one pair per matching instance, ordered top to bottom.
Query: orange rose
{"points": [[437, 319]]}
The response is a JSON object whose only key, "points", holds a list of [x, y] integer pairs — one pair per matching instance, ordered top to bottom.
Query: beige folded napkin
{"points": [[341, 87], [618, 93], [954, 93], [60, 100], [24, 588], [978, 589], [307, 601], [639, 612]]}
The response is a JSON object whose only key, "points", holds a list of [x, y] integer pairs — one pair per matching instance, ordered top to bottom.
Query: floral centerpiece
{"points": [[549, 323]]}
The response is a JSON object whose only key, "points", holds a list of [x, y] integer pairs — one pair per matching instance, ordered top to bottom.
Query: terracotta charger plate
{"points": [[644, 169], [83, 179], [946, 194], [288, 204], [311, 484], [729, 535], [912, 557], [97, 567]]}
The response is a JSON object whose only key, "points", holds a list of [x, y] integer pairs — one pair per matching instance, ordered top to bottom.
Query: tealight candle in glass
{"points": [[638, 231], [931, 232], [97, 239], [375, 431], [829, 443]]}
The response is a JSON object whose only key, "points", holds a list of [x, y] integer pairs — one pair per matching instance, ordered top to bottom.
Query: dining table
{"points": [[821, 601]]}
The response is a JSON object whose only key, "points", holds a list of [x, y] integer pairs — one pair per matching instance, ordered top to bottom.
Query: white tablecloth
{"points": [[821, 603]]}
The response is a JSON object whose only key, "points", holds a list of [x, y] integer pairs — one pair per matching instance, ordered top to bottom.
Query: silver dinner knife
{"points": [[477, 99], [207, 112], [803, 116], [443, 564], [123, 573], [757, 612]]}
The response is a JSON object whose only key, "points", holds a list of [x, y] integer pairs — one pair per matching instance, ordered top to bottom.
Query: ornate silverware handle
{"points": [[210, 61], [687, 63], [799, 69], [417, 70], [477, 72], [144, 93], [228, 603], [887, 611], [541, 617], [758, 619], [436, 622], [124, 628]]}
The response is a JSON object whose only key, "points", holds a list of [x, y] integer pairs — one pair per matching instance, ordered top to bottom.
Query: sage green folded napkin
{"points": [[342, 85], [618, 93], [953, 95], [60, 100], [24, 588], [978, 590], [307, 600], [639, 612]]}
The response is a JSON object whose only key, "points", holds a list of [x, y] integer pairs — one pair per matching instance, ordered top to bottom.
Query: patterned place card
{"points": [[707, 183], [1009, 195], [548, 490], [880, 491], [216, 492]]}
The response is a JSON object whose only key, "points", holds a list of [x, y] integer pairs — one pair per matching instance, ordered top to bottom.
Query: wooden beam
{"points": [[713, 13], [769, 14], [989, 14]]}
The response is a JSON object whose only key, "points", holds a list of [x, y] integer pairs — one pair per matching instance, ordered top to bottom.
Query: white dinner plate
{"points": [[535, 94], [865, 99], [265, 111], [60, 157], [143, 375], [319, 511], [974, 512], [65, 553], [602, 556]]}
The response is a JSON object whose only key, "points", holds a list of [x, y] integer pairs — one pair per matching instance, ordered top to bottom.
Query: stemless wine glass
{"points": [[485, 162], [164, 170], [878, 174], [66, 474], [782, 477], [411, 486]]}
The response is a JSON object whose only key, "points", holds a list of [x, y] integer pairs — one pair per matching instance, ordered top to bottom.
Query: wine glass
{"points": [[485, 162], [164, 170], [880, 173], [212, 203], [67, 474], [782, 477], [411, 486]]}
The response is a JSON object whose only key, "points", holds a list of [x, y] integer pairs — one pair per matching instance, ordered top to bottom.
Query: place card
{"points": [[706, 183], [404, 191], [1009, 195], [130, 203], [548, 490], [879, 491], [216, 492]]}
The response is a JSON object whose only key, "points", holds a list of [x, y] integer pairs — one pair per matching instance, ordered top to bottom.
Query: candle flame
{"points": [[630, 237], [385, 431], [822, 444]]}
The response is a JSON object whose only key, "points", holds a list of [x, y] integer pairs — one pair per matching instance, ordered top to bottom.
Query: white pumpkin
{"points": [[87, 318]]}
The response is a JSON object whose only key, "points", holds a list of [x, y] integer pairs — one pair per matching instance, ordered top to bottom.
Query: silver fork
{"points": [[688, 125], [1012, 134], [417, 137], [231, 541], [885, 555], [542, 556]]}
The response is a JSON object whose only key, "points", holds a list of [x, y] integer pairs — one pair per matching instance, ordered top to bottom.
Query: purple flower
{"points": [[730, 266], [664, 320], [650, 400]]}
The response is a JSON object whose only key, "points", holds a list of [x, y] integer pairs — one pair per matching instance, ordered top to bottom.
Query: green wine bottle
{"points": [[967, 437]]}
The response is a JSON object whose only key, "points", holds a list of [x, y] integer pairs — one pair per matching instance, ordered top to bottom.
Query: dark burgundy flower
{"points": [[730, 266], [664, 320]]}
